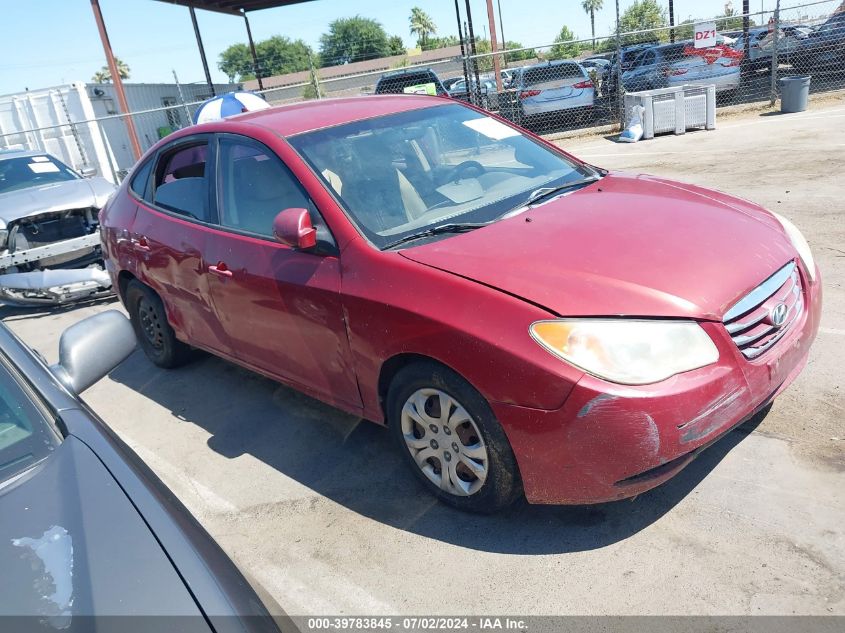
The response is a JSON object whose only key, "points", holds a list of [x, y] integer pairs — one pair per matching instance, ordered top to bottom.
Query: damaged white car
{"points": [[49, 239]]}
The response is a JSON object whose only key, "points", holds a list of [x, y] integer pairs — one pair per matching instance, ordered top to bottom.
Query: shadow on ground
{"points": [[354, 462]]}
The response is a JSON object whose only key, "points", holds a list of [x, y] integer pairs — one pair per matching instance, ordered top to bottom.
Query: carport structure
{"points": [[238, 8]]}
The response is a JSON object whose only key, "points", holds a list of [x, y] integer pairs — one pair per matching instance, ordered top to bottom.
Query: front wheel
{"points": [[450, 438]]}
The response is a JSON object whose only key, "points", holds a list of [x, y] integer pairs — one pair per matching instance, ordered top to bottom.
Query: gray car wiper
{"points": [[543, 193], [451, 227]]}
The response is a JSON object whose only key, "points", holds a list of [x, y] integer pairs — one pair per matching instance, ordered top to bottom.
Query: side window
{"points": [[647, 59], [141, 179], [181, 181], [255, 186]]}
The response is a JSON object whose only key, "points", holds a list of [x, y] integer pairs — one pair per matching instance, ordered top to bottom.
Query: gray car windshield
{"points": [[30, 171], [401, 174], [26, 435]]}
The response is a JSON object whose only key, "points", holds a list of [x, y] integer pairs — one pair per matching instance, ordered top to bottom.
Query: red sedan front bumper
{"points": [[611, 441]]}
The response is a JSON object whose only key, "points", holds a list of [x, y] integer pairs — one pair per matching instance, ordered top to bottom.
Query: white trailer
{"points": [[59, 121]]}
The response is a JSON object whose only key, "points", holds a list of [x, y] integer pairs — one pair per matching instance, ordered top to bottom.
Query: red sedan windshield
{"points": [[401, 174]]}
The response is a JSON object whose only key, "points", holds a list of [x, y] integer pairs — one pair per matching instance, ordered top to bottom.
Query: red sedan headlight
{"points": [[627, 351]]}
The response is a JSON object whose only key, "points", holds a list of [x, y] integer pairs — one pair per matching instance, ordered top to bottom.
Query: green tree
{"points": [[591, 6], [640, 16], [422, 26], [353, 39], [440, 42], [396, 46], [564, 46], [280, 55], [519, 55], [276, 56], [236, 62], [485, 64], [103, 75]]}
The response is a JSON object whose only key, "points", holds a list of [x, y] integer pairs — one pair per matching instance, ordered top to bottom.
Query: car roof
{"points": [[406, 71], [305, 116], [20, 153]]}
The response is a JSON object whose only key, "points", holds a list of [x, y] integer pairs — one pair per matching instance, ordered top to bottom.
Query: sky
{"points": [[51, 42]]}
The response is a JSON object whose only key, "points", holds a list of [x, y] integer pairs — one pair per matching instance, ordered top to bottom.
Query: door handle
{"points": [[141, 244], [220, 269]]}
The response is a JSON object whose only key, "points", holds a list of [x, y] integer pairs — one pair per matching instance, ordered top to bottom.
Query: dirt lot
{"points": [[318, 508]]}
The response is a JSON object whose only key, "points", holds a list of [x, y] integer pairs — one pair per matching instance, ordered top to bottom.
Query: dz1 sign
{"points": [[705, 34]]}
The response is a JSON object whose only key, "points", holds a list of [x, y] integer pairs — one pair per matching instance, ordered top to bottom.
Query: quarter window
{"points": [[141, 178]]}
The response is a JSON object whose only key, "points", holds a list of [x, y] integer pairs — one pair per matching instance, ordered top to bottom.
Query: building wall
{"points": [[153, 125]]}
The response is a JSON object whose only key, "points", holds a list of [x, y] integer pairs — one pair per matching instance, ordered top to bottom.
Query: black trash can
{"points": [[794, 92]]}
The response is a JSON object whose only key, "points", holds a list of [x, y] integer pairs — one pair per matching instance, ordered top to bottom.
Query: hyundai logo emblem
{"points": [[778, 314]]}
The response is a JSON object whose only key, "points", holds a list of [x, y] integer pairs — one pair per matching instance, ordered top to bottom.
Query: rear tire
{"points": [[157, 339], [463, 457]]}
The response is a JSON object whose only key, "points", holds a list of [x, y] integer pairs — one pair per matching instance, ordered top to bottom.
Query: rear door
{"points": [[168, 236], [280, 308]]}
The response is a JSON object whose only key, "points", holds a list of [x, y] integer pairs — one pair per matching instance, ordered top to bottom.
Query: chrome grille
{"points": [[750, 321]]}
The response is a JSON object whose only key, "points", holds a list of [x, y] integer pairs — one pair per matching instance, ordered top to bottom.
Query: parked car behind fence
{"points": [[558, 90]]}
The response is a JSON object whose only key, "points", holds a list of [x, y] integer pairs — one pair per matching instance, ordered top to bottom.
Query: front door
{"points": [[281, 308]]}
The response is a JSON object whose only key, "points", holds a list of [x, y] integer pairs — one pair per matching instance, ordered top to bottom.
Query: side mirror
{"points": [[88, 172], [292, 227], [91, 348]]}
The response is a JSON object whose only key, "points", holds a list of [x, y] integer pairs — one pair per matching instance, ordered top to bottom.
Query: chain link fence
{"points": [[555, 89]]}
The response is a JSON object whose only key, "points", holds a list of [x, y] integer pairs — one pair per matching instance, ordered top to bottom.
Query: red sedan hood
{"points": [[626, 245]]}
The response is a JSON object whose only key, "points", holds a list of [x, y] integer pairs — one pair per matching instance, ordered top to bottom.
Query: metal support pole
{"points": [[746, 8], [672, 21], [502, 26], [494, 46], [463, 48], [202, 50], [775, 57], [255, 67], [115, 77], [315, 80], [476, 90], [182, 98], [619, 98]]}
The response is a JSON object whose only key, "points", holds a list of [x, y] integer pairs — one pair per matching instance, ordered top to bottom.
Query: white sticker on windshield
{"points": [[491, 128], [40, 159], [43, 168]]}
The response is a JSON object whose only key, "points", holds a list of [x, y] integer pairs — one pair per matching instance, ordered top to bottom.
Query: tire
{"points": [[152, 329], [483, 475]]}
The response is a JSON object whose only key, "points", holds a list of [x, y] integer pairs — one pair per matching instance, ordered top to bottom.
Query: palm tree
{"points": [[591, 6], [422, 26], [103, 75]]}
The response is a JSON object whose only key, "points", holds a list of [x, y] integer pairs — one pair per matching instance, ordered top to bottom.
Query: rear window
{"points": [[673, 53], [552, 73], [398, 83]]}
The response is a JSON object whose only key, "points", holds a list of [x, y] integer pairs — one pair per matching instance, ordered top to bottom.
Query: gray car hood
{"points": [[72, 194], [72, 545]]}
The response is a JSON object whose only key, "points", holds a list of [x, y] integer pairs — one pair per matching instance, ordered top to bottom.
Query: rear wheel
{"points": [[154, 333], [450, 438]]}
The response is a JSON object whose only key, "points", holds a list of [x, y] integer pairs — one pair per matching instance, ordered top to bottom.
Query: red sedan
{"points": [[523, 322]]}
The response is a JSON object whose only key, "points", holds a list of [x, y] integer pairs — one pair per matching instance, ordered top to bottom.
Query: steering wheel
{"points": [[454, 174]]}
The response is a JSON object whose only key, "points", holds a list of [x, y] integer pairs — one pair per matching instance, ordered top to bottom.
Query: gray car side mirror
{"points": [[91, 348]]}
